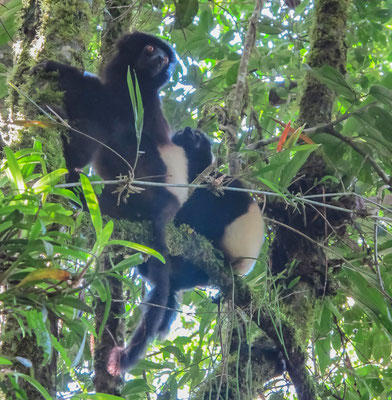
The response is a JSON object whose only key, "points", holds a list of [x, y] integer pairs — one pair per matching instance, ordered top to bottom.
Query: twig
{"points": [[243, 68], [238, 98], [68, 126], [313, 130], [387, 180], [204, 186], [376, 263]]}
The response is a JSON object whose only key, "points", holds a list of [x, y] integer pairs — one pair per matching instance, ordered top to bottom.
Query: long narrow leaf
{"points": [[14, 171], [50, 179], [92, 204], [137, 247], [108, 303], [75, 362], [33, 382]]}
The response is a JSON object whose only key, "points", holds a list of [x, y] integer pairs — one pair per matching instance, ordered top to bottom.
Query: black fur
{"points": [[101, 108], [205, 212], [208, 215]]}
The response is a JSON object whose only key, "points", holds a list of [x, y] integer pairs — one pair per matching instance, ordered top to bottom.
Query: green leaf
{"points": [[186, 10], [384, 14], [9, 20], [268, 26], [231, 74], [334, 80], [382, 94], [137, 103], [383, 121], [370, 129], [294, 165], [13, 171], [49, 180], [272, 186], [68, 194], [92, 204], [6, 225], [106, 233], [137, 247], [128, 262], [293, 282], [74, 303], [108, 303], [325, 320], [37, 324], [381, 347], [322, 351], [63, 352], [176, 352], [78, 356], [5, 361], [146, 364], [35, 384], [172, 385], [136, 386], [96, 396]]}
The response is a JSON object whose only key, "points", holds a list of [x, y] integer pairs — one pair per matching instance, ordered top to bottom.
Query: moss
{"points": [[53, 30], [327, 47]]}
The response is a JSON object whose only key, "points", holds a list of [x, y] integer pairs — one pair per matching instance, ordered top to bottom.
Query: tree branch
{"points": [[240, 90], [387, 180]]}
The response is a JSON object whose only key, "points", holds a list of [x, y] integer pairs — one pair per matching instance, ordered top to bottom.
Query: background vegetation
{"points": [[314, 317]]}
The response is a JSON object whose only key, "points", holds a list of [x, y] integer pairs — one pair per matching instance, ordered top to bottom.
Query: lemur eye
{"points": [[150, 48], [165, 60]]}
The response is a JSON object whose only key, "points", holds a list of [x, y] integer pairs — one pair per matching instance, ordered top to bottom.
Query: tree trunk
{"points": [[49, 30], [288, 334]]}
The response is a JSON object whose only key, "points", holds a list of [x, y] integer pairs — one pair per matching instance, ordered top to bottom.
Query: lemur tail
{"points": [[170, 314], [156, 318]]}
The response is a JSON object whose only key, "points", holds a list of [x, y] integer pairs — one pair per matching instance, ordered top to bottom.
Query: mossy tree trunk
{"points": [[57, 30], [327, 47], [286, 346]]}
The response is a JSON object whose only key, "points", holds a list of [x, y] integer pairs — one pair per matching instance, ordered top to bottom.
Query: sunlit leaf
{"points": [[30, 123], [13, 170], [49, 180], [92, 204], [137, 247], [128, 262], [44, 274], [175, 351], [5, 361]]}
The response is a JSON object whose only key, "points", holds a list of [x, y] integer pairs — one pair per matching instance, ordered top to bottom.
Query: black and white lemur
{"points": [[101, 108], [232, 221]]}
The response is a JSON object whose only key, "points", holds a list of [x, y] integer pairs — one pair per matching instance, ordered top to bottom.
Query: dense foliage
{"points": [[48, 268]]}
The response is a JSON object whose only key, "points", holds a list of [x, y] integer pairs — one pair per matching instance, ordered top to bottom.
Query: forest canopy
{"points": [[296, 97]]}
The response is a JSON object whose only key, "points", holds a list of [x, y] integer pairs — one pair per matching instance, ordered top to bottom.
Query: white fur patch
{"points": [[177, 169], [243, 238]]}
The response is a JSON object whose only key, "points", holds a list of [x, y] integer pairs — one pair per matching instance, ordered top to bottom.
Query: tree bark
{"points": [[49, 30]]}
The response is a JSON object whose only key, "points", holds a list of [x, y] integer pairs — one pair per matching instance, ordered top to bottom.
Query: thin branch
{"points": [[243, 68], [240, 89], [315, 129], [380, 172], [205, 186], [376, 263]]}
